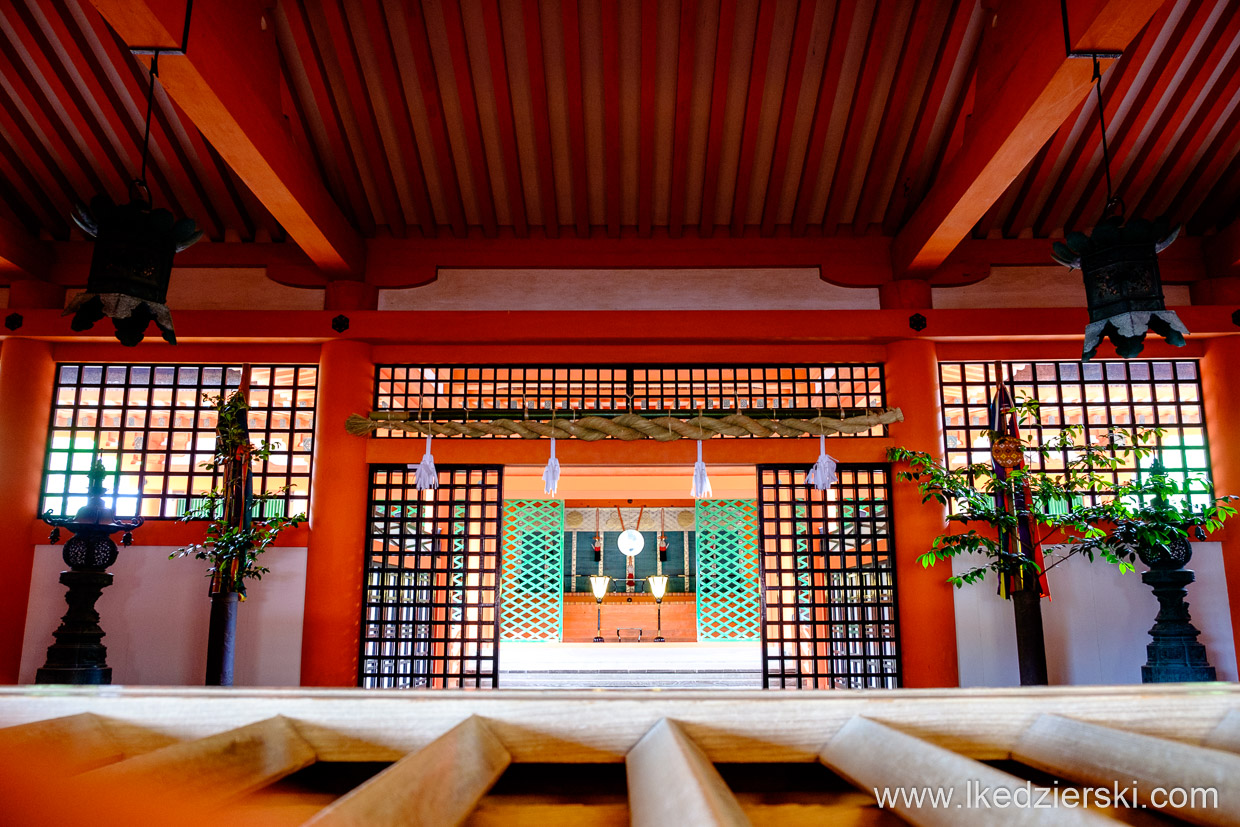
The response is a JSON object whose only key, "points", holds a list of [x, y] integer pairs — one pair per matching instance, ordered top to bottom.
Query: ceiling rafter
{"points": [[1027, 88]]}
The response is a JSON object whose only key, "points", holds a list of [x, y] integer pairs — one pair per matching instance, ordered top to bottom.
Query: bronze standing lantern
{"points": [[78, 656]]}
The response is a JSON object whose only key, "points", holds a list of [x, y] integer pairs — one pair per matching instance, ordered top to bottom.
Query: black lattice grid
{"points": [[828, 388], [1100, 395], [153, 429], [828, 580], [430, 612]]}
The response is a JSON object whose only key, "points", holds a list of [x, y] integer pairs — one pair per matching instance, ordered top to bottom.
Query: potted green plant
{"points": [[1023, 521], [235, 537]]}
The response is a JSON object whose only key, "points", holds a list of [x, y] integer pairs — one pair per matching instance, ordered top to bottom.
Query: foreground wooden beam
{"points": [[227, 83], [1026, 88], [554, 727], [1225, 736], [73, 744], [1103, 756], [876, 757], [212, 770], [672, 781], [439, 784]]}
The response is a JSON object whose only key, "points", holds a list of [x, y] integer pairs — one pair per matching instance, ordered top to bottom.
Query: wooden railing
{"points": [[135, 756]]}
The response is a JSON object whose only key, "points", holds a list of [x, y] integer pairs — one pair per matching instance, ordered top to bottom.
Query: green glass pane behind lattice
{"points": [[531, 606], [728, 606]]}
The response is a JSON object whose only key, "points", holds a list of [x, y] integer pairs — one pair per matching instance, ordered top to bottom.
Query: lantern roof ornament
{"points": [[95, 517]]}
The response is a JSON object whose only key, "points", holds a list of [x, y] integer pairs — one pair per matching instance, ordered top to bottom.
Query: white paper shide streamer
{"points": [[551, 475], [822, 475], [427, 477], [701, 482]]}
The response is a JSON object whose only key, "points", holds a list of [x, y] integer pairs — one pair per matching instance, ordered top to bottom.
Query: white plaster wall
{"points": [[1052, 286], [240, 288], [751, 289], [155, 615], [1096, 623]]}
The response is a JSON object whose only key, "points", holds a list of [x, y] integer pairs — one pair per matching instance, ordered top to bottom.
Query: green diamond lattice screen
{"points": [[728, 602], [531, 607]]}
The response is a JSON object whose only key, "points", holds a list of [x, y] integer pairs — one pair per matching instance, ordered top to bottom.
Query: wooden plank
{"points": [[735, 726], [1225, 736], [73, 744], [873, 756], [1105, 756], [214, 769], [672, 781], [438, 785]]}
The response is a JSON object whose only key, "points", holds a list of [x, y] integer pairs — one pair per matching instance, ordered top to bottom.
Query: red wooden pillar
{"points": [[27, 372], [1221, 396], [338, 499], [926, 607]]}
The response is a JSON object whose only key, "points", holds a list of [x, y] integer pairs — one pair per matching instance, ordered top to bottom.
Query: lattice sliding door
{"points": [[828, 575], [728, 602], [431, 603], [532, 607]]}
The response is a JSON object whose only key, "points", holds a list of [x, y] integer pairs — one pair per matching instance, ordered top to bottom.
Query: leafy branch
{"points": [[1079, 507], [233, 543]]}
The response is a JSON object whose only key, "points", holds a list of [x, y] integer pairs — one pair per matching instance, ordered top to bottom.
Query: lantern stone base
{"points": [[1175, 655], [78, 656]]}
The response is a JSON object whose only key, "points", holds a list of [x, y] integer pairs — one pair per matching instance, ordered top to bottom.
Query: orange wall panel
{"points": [[630, 611]]}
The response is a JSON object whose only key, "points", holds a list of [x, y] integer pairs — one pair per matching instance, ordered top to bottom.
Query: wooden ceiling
{"points": [[709, 118]]}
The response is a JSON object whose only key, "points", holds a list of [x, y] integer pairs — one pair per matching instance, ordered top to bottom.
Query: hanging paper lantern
{"points": [[131, 265], [1123, 288]]}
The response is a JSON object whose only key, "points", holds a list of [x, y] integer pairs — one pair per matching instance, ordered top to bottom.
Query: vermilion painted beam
{"points": [[571, 21], [610, 25], [416, 47], [218, 85], [1027, 87], [827, 91], [718, 99], [684, 103], [503, 108], [753, 108], [787, 113], [645, 162], [484, 194], [548, 206], [1222, 251], [20, 253], [847, 261], [577, 336]]}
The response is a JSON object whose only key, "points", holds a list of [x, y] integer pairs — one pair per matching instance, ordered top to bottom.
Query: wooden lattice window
{"points": [[462, 389], [1099, 395], [153, 430], [533, 570], [828, 580], [430, 614]]}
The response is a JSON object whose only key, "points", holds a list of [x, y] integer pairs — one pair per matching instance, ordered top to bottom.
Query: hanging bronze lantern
{"points": [[134, 246], [131, 265], [1123, 288]]}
